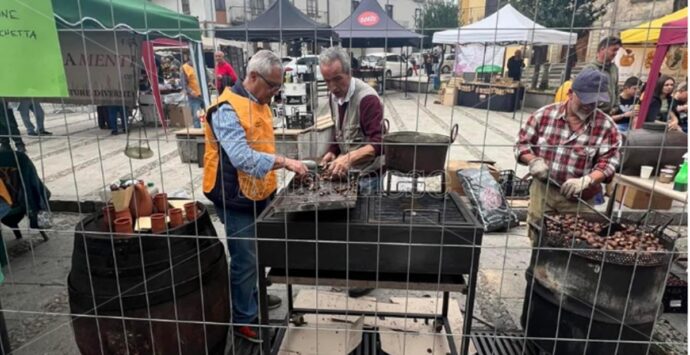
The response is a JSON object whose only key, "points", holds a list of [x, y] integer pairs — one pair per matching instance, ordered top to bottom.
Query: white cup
{"points": [[646, 171]]}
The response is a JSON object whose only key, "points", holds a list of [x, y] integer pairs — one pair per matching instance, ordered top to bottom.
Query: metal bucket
{"points": [[417, 153]]}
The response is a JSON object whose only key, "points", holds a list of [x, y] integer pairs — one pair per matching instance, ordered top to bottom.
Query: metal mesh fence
{"points": [[455, 242]]}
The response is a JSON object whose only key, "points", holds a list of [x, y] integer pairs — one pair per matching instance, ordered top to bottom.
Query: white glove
{"points": [[538, 169], [575, 186]]}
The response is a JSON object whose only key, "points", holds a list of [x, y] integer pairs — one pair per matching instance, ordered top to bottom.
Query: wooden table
{"points": [[650, 185]]}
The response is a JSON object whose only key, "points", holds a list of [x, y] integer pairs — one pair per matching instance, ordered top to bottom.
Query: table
{"points": [[497, 97], [648, 185], [397, 241]]}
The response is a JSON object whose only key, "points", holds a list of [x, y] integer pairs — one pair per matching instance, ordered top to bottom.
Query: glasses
{"points": [[272, 86]]}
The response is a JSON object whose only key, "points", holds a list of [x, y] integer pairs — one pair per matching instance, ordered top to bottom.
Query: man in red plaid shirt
{"points": [[573, 143]]}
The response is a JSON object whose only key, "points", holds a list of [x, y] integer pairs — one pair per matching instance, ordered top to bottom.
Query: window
{"points": [[219, 5], [185, 7], [313, 8]]}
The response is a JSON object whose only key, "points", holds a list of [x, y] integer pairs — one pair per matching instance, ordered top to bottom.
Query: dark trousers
{"points": [[113, 113], [9, 129]]}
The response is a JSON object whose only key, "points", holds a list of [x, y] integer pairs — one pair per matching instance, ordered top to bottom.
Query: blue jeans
{"points": [[195, 103], [30, 105], [113, 113], [239, 229]]}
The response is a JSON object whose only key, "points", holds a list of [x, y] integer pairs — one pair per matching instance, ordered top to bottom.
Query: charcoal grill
{"points": [[373, 242]]}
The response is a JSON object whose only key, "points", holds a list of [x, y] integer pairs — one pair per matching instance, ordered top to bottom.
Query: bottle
{"points": [[680, 183]]}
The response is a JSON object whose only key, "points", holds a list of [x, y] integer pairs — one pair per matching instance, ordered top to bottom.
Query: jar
{"points": [[666, 176]]}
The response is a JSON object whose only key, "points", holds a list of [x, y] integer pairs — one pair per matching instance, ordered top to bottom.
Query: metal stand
{"points": [[271, 344]]}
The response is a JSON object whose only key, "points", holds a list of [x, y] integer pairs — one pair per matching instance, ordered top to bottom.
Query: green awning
{"points": [[140, 16]]}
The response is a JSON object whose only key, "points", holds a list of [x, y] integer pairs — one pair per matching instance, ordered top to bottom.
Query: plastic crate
{"points": [[514, 187], [675, 295]]}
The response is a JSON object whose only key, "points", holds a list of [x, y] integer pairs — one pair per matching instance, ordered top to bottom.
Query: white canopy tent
{"points": [[506, 26]]}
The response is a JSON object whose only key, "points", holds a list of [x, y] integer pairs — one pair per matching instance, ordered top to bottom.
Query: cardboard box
{"points": [[449, 96], [179, 116], [453, 182], [639, 199]]}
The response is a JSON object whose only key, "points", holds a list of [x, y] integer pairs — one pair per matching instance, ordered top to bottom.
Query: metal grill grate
{"points": [[489, 343]]}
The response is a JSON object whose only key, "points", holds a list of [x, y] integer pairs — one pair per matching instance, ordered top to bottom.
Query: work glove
{"points": [[538, 169], [575, 186]]}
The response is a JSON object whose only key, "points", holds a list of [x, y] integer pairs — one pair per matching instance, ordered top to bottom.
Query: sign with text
{"points": [[469, 57], [31, 62], [101, 69]]}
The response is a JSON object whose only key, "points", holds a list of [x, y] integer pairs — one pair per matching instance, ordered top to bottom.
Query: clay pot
{"points": [[160, 202], [141, 204], [190, 210], [123, 214], [108, 216], [176, 218], [158, 223], [122, 227]]}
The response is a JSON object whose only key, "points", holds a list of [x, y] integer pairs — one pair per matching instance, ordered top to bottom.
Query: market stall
{"points": [[281, 22], [369, 26], [504, 27], [674, 33], [109, 40], [639, 48]]}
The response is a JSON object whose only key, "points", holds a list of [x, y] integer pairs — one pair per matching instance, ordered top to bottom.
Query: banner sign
{"points": [[469, 57], [637, 61], [31, 62], [101, 69]]}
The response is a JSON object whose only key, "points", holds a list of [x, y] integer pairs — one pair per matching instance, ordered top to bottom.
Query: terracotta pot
{"points": [[160, 202], [141, 204], [190, 210], [123, 214], [108, 216], [176, 218], [158, 223], [122, 227]]}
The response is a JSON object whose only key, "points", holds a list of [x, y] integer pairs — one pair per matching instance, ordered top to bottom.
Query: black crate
{"points": [[301, 121], [513, 187], [675, 295]]}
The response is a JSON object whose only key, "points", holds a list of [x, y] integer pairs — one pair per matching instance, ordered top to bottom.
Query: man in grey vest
{"points": [[358, 113]]}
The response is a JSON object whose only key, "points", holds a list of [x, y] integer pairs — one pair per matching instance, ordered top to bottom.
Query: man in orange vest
{"points": [[191, 87], [238, 176]]}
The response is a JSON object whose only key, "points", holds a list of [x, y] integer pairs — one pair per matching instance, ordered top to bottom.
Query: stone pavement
{"points": [[80, 160]]}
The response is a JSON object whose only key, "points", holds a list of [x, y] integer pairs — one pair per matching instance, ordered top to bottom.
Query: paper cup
{"points": [[646, 171]]}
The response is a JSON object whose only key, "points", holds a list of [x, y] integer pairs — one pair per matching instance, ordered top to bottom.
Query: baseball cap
{"points": [[591, 86]]}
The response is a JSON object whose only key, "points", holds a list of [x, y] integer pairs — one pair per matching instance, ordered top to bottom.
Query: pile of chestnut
{"points": [[629, 238]]}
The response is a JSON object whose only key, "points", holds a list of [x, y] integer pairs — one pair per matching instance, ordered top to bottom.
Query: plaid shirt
{"points": [[570, 154]]}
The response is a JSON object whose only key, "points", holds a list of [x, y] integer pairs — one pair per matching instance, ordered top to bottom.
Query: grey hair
{"points": [[335, 53], [263, 62]]}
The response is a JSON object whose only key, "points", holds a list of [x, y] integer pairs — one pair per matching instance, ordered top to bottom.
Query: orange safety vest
{"points": [[190, 77], [257, 121]]}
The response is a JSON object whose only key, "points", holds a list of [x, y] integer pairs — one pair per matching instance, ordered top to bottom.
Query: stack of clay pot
{"points": [[163, 216]]}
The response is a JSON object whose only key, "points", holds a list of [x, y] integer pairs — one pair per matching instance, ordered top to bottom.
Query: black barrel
{"points": [[165, 287], [569, 292]]}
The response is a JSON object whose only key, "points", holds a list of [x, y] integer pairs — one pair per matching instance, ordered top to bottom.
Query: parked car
{"points": [[448, 63], [394, 64], [302, 65]]}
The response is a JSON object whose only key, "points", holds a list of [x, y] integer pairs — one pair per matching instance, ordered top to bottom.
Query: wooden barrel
{"points": [[149, 294]]}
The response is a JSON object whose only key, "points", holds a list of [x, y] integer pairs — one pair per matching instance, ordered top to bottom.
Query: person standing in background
{"points": [[606, 52], [515, 65], [225, 74], [191, 87], [661, 99], [627, 102], [31, 105], [678, 115]]}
